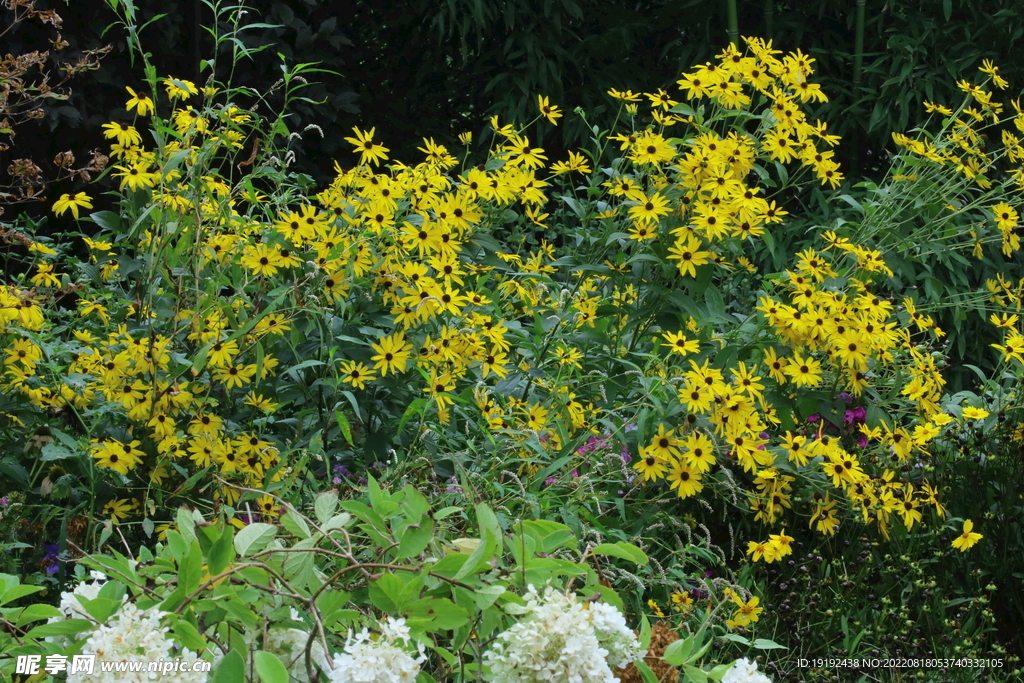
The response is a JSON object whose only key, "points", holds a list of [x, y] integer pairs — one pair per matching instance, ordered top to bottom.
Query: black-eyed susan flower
{"points": [[548, 110], [369, 151], [72, 202], [650, 466], [685, 480]]}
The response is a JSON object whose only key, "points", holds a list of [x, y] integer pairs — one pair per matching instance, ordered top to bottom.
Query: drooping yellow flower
{"points": [[140, 103], [548, 110], [72, 202]]}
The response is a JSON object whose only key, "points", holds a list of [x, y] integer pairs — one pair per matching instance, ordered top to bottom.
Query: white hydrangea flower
{"points": [[70, 606], [611, 629], [134, 635], [560, 640], [290, 645], [378, 661], [744, 671]]}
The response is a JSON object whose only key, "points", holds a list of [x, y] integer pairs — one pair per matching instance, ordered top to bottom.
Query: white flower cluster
{"points": [[71, 607], [134, 635], [560, 640], [290, 645], [378, 661], [744, 671]]}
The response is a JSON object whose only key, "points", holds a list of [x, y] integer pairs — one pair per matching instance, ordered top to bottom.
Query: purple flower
{"points": [[847, 398], [858, 414], [813, 418], [862, 441], [626, 457], [336, 481], [549, 481], [4, 502], [50, 560]]}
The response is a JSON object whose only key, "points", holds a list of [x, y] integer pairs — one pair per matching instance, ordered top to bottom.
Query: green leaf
{"points": [[108, 220], [344, 427], [52, 451], [326, 504], [295, 524], [254, 538], [414, 538], [623, 550], [222, 551], [298, 567], [190, 570], [15, 592], [386, 593], [486, 596], [35, 613], [437, 614], [60, 628], [187, 634], [736, 638], [765, 644], [678, 651], [270, 668], [230, 670], [645, 672], [718, 672], [694, 674]]}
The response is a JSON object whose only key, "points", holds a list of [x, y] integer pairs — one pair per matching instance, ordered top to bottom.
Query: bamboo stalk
{"points": [[769, 19], [734, 23], [858, 45]]}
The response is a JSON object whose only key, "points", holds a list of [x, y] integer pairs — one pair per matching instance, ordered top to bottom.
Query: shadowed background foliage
{"points": [[416, 67]]}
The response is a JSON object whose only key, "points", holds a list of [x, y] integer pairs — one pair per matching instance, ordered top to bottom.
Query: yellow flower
{"points": [[178, 88], [141, 103], [548, 110], [126, 135], [369, 151], [73, 202], [45, 277], [678, 342], [356, 374], [257, 401], [972, 413], [118, 509], [968, 538]]}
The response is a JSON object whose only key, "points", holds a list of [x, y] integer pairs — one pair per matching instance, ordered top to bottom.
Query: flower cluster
{"points": [[134, 635], [561, 640], [384, 660], [744, 671]]}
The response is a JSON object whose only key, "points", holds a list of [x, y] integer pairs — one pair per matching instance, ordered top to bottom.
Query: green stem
{"points": [[769, 19], [734, 23], [858, 46]]}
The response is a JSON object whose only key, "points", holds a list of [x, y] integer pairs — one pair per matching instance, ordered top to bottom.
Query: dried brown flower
{"points": [[661, 638]]}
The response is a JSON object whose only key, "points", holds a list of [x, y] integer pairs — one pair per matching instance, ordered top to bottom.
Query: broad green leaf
{"points": [[326, 504], [295, 524], [254, 538], [622, 550], [222, 551], [15, 592], [34, 613], [60, 628], [765, 644], [270, 668], [231, 669], [645, 672], [694, 674]]}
